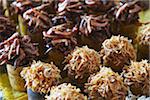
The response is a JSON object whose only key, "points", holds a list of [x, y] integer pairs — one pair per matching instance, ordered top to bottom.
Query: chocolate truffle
{"points": [[18, 50], [117, 51], [82, 62], [40, 77], [137, 77], [106, 85], [65, 92]]}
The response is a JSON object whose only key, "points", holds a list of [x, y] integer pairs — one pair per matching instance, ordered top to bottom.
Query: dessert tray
{"points": [[74, 50]]}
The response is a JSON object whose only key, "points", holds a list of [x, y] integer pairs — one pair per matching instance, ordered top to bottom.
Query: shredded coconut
{"points": [[117, 51], [83, 61], [137, 75], [40, 77], [106, 84], [65, 92]]}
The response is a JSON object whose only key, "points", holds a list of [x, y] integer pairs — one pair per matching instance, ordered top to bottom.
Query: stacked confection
{"points": [[75, 49], [17, 52]]}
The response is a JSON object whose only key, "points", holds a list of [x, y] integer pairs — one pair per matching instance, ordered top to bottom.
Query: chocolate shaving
{"points": [[20, 6], [70, 6], [94, 6], [128, 11], [38, 18], [92, 23], [60, 37], [17, 50]]}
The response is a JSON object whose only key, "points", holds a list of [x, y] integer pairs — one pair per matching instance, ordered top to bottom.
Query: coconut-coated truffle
{"points": [[144, 37], [117, 51], [82, 62], [40, 77], [137, 77], [106, 85], [65, 92]]}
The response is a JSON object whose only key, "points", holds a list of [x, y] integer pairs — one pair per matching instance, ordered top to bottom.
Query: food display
{"points": [[74, 49]]}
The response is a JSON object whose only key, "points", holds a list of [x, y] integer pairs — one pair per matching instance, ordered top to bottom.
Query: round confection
{"points": [[37, 18], [61, 37], [144, 37], [143, 42], [18, 50], [117, 51], [82, 62], [40, 77], [137, 77], [106, 85], [65, 92]]}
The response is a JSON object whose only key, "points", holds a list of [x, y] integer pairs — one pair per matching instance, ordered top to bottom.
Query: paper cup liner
{"points": [[16, 81]]}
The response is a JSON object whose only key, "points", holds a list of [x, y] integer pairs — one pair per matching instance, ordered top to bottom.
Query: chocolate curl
{"points": [[17, 50]]}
